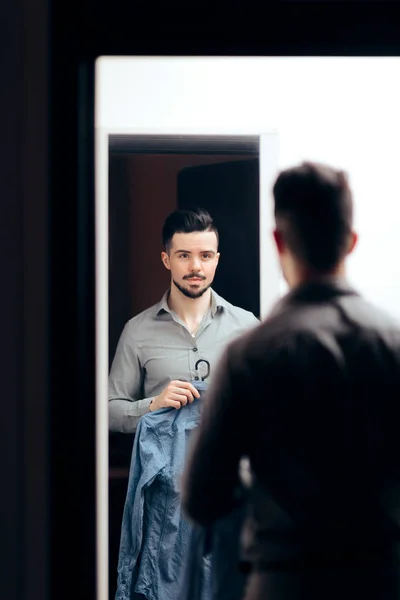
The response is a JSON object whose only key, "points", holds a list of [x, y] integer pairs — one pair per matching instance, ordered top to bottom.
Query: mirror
{"points": [[173, 132]]}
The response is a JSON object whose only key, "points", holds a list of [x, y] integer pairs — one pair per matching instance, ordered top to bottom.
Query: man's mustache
{"points": [[194, 276]]}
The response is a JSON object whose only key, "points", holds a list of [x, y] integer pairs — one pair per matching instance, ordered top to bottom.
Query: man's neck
{"points": [[305, 276], [190, 310]]}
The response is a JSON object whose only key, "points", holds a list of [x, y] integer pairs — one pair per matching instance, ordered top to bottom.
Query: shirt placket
{"points": [[195, 353]]}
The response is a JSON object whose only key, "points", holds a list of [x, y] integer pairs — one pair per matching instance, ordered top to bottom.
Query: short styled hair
{"points": [[314, 213], [186, 221]]}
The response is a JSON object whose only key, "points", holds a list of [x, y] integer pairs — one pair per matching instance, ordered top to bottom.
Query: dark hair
{"points": [[314, 213], [186, 221]]}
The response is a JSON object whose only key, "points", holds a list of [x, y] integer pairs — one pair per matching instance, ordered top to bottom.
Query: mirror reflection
{"points": [[190, 135], [182, 242]]}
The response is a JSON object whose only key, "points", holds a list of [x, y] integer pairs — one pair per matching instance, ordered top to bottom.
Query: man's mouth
{"points": [[194, 278]]}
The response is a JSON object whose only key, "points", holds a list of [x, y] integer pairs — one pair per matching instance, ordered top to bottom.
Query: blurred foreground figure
{"points": [[320, 378]]}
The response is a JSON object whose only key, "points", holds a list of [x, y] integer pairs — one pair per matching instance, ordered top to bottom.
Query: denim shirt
{"points": [[155, 536], [214, 568]]}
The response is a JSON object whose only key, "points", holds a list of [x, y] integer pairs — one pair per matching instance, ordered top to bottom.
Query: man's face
{"points": [[192, 260]]}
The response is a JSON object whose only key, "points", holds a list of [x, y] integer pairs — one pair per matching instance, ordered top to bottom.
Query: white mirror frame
{"points": [[269, 293]]}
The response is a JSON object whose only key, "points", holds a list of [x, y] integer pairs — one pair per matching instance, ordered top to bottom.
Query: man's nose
{"points": [[195, 264]]}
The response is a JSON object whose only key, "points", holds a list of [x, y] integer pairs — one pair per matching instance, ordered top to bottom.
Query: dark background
{"points": [[48, 48]]}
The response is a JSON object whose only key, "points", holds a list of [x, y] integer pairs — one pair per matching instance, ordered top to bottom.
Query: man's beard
{"points": [[189, 293]]}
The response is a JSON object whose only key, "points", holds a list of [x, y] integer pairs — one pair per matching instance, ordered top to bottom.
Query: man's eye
{"points": [[183, 255], [206, 255]]}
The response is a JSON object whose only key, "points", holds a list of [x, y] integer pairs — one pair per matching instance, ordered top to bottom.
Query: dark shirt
{"points": [[320, 381]]}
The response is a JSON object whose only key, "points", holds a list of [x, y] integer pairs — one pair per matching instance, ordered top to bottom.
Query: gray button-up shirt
{"points": [[156, 348]]}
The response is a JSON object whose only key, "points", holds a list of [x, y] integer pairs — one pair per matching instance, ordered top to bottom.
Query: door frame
{"points": [[121, 143], [265, 145]]}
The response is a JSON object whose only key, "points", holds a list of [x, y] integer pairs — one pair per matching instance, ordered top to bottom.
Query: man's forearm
{"points": [[124, 414]]}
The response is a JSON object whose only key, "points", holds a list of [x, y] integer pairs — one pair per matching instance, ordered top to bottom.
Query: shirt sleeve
{"points": [[125, 385], [211, 477]]}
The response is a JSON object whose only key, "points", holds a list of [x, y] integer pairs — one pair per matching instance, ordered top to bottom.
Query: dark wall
{"points": [[231, 192], [24, 302]]}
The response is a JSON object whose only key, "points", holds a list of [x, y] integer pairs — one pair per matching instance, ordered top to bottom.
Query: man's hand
{"points": [[176, 394]]}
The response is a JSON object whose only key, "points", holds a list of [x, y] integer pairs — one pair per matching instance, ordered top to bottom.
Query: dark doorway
{"points": [[230, 192]]}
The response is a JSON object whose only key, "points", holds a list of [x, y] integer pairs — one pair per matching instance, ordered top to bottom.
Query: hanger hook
{"points": [[202, 360]]}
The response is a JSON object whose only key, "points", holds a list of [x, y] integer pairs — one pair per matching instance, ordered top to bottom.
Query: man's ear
{"points": [[279, 241], [353, 242], [165, 260]]}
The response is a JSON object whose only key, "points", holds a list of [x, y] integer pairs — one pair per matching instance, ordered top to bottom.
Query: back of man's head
{"points": [[314, 213]]}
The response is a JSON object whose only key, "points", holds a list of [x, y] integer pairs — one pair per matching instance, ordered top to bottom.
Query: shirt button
{"points": [[195, 349], [196, 378]]}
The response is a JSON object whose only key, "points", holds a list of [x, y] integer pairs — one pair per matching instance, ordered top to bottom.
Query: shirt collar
{"points": [[325, 289], [217, 303], [162, 306]]}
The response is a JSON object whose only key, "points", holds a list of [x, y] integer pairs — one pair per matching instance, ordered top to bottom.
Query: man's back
{"points": [[321, 381], [324, 446]]}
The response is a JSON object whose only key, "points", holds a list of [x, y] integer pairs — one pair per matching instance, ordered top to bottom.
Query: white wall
{"points": [[344, 111]]}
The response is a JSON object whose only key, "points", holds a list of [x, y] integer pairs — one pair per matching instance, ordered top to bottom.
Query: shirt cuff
{"points": [[140, 407]]}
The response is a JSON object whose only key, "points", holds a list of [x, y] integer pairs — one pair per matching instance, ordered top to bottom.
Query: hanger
{"points": [[201, 360]]}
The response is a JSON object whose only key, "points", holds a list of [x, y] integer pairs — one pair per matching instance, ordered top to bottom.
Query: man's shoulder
{"points": [[370, 315], [145, 316], [245, 317], [298, 324], [377, 327], [269, 332]]}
